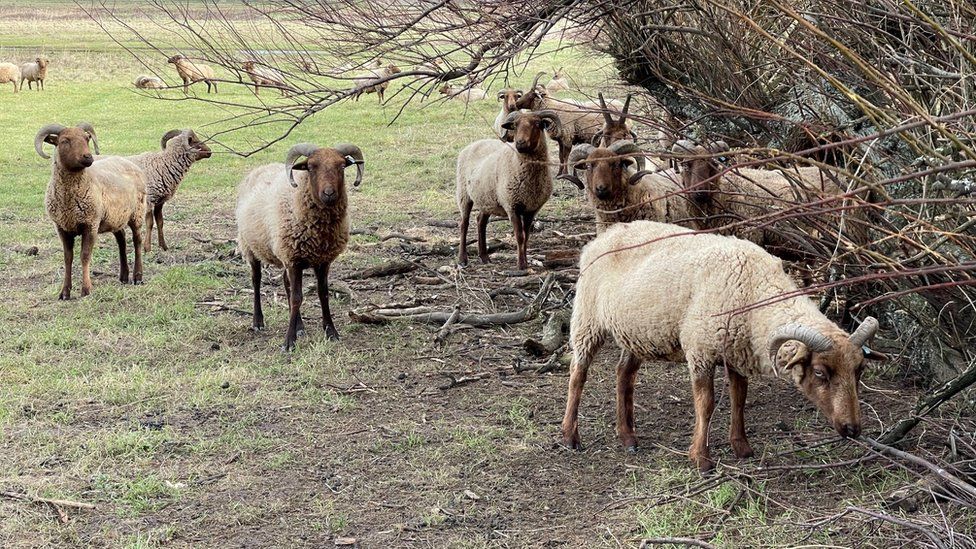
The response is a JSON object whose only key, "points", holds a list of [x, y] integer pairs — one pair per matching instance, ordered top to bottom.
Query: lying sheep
{"points": [[35, 71], [192, 72], [10, 73], [264, 76], [373, 81], [144, 82], [558, 82], [466, 95], [165, 171], [497, 180], [619, 193], [87, 197], [297, 223], [662, 292]]}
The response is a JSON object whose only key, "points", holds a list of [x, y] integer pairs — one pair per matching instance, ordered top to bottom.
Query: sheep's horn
{"points": [[536, 81], [603, 108], [623, 113], [557, 123], [50, 129], [91, 130], [167, 136], [597, 138], [718, 146], [628, 148], [579, 152], [294, 153], [356, 154], [638, 175], [572, 179], [865, 331], [813, 339]]}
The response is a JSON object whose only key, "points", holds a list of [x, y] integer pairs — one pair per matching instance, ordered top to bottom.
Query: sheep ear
{"points": [[508, 126], [51, 139], [301, 165], [871, 354]]}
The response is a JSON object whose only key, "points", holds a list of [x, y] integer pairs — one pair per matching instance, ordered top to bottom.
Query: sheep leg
{"points": [[564, 150], [158, 213], [516, 219], [136, 228], [482, 237], [87, 245], [147, 245], [68, 246], [463, 246], [123, 258], [322, 279], [295, 305], [257, 323], [301, 323], [582, 357], [626, 375], [703, 391], [737, 431]]}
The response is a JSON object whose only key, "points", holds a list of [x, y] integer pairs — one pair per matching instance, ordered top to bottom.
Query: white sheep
{"points": [[35, 71], [192, 72], [10, 73], [264, 76], [145, 82], [370, 82], [558, 82], [465, 95], [509, 98], [165, 170], [496, 179], [86, 197], [297, 222], [662, 292]]}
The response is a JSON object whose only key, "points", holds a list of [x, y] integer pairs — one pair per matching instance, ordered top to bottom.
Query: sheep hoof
{"points": [[484, 259], [137, 282], [64, 296], [331, 335], [287, 348], [571, 444], [632, 449], [741, 449]]}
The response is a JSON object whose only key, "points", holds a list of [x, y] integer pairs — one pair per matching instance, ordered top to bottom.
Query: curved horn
{"points": [[536, 81], [603, 106], [623, 113], [557, 123], [50, 129], [90, 129], [167, 136], [597, 138], [628, 148], [579, 152], [294, 153], [356, 154], [638, 175], [572, 179], [865, 331], [813, 339]]}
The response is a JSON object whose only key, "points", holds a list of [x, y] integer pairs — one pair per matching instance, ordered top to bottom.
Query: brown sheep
{"points": [[192, 72]]}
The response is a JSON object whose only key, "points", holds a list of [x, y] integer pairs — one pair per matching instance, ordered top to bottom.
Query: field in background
{"points": [[159, 405]]}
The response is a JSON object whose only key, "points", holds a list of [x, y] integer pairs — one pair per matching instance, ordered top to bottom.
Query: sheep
{"points": [[35, 71], [192, 72], [10, 73], [264, 76], [145, 82], [370, 82], [558, 82], [466, 95], [509, 98], [613, 130], [165, 170], [498, 180], [619, 194], [88, 197], [297, 223], [663, 292]]}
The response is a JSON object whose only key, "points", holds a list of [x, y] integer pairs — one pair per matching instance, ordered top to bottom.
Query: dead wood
{"points": [[445, 223], [561, 258], [388, 268], [553, 335], [950, 479], [56, 505], [691, 542]]}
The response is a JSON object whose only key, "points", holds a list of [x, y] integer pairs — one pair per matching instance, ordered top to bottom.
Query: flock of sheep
{"points": [[30, 72], [651, 280]]}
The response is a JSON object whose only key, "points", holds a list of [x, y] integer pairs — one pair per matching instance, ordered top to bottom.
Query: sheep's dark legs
{"points": [[564, 151], [158, 214], [516, 219], [527, 220], [482, 237], [87, 245], [147, 245], [463, 245], [68, 246], [137, 250], [123, 258], [322, 280], [295, 305], [257, 323], [301, 323], [582, 357], [626, 375], [738, 385], [703, 392]]}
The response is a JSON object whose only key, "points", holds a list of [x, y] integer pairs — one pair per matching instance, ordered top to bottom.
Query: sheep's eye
{"points": [[820, 374]]}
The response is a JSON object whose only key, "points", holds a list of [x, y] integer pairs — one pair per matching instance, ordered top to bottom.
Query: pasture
{"points": [[160, 406]]}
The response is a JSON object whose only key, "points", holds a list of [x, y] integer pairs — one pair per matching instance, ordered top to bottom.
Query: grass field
{"points": [[157, 404]]}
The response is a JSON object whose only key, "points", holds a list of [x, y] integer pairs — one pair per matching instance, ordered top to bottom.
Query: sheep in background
{"points": [[35, 71], [192, 72], [10, 73], [264, 76], [145, 82], [370, 82], [558, 82], [466, 95], [509, 98], [614, 130], [498, 180], [87, 197], [297, 223], [662, 292]]}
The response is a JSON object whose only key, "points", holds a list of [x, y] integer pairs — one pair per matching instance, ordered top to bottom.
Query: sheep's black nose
{"points": [[87, 160], [602, 192], [328, 196], [850, 430]]}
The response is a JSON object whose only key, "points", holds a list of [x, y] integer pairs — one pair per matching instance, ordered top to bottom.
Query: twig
{"points": [[948, 477], [55, 504], [692, 542]]}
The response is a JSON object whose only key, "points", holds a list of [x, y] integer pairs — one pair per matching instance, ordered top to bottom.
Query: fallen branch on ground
{"points": [[392, 267], [553, 334], [950, 479], [55, 504], [647, 542]]}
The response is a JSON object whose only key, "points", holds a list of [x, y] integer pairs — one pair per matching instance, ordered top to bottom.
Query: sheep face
{"points": [[176, 59], [42, 62], [248, 66], [393, 69], [510, 96], [527, 130], [197, 147], [73, 151], [326, 174], [605, 174], [699, 174]]}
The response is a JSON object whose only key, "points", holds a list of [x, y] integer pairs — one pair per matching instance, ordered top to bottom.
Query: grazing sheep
{"points": [[34, 72], [192, 72], [10, 73], [264, 76], [144, 82], [370, 82], [558, 82], [466, 95], [165, 171], [498, 180], [619, 194], [87, 197], [297, 223], [662, 292]]}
